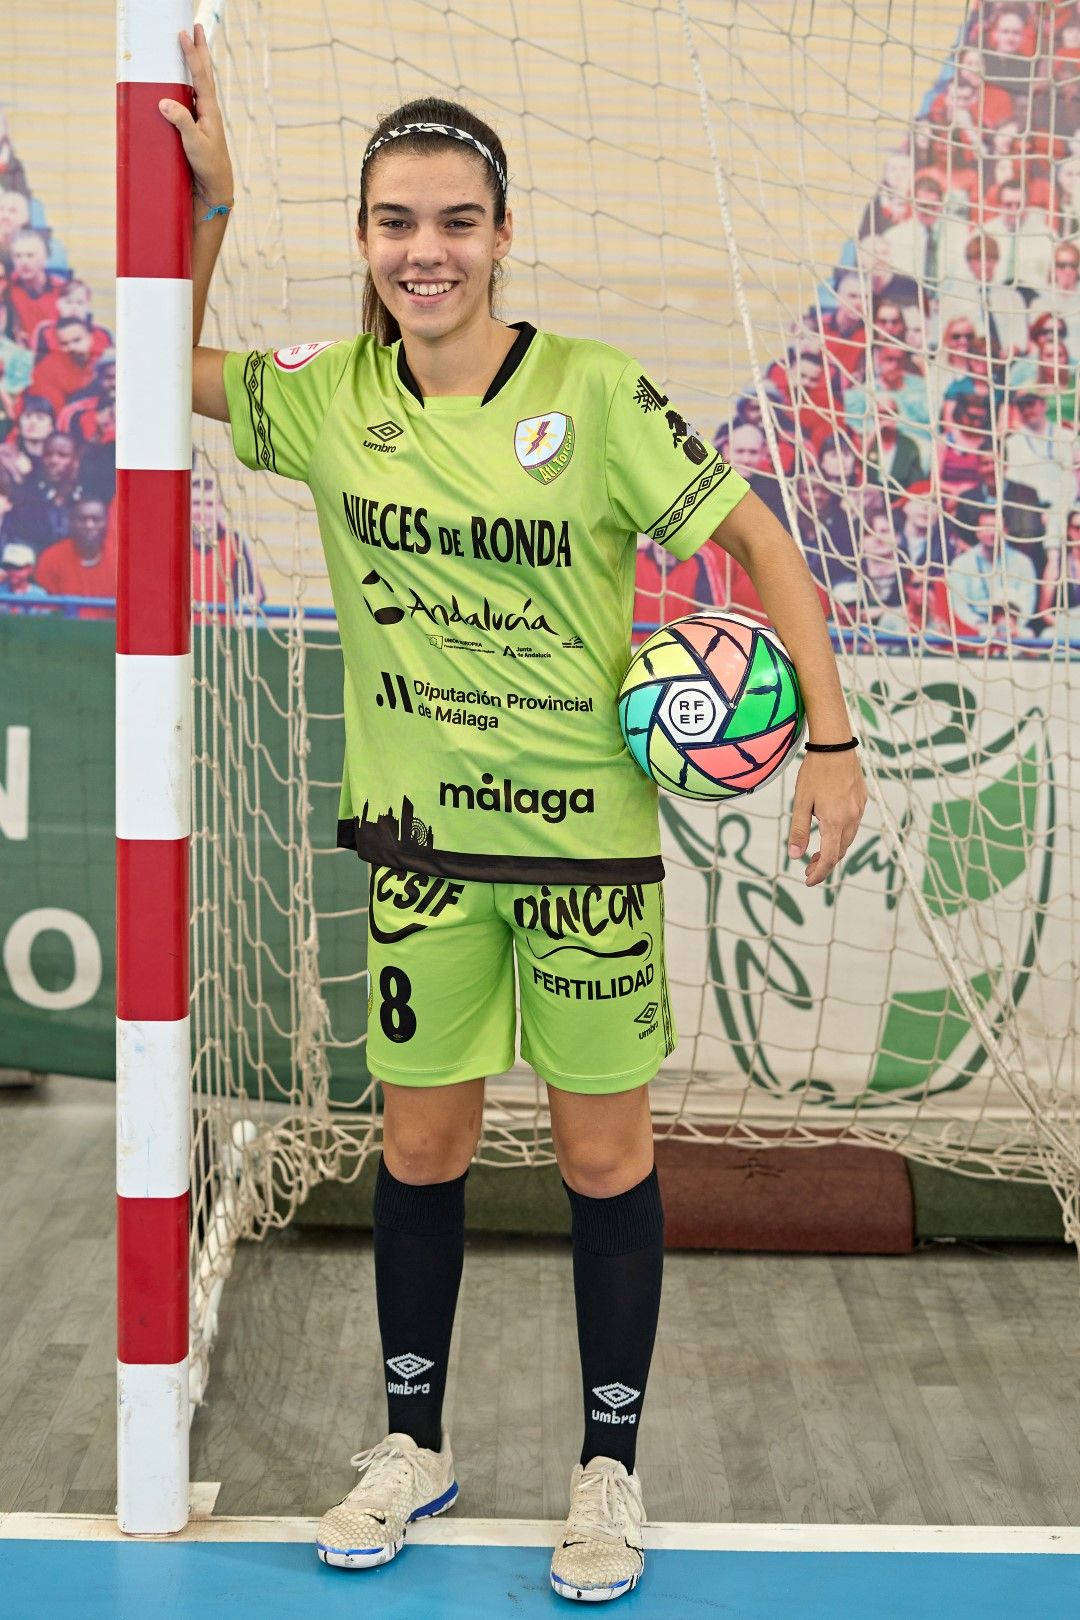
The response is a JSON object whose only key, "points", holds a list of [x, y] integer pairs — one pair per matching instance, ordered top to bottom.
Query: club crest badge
{"points": [[299, 355], [544, 445]]}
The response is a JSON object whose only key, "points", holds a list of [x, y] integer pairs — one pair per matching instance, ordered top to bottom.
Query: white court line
{"points": [[821, 1538]]}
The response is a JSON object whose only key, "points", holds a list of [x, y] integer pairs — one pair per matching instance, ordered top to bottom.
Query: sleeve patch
{"points": [[299, 355]]}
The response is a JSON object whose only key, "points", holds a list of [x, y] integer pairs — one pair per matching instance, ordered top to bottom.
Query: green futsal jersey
{"points": [[481, 557]]}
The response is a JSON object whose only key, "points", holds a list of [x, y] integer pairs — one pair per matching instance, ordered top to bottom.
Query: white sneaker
{"points": [[399, 1482], [600, 1555]]}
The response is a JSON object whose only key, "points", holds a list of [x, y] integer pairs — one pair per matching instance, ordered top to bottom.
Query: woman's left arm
{"points": [[829, 787]]}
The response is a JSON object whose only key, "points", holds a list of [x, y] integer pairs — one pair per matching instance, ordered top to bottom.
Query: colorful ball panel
{"points": [[722, 651], [662, 655], [768, 696]]}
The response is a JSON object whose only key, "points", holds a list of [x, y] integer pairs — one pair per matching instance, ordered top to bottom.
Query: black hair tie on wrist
{"points": [[831, 748]]}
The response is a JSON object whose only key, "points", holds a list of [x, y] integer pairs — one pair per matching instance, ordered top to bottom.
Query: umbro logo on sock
{"points": [[408, 1366], [615, 1395]]}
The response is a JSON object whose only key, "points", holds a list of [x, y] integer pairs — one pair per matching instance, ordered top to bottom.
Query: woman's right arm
{"points": [[207, 152]]}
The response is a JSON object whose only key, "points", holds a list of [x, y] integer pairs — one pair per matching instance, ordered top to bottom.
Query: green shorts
{"points": [[595, 1012]]}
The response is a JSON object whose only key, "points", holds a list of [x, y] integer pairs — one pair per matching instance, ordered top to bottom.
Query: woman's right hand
{"points": [[205, 146]]}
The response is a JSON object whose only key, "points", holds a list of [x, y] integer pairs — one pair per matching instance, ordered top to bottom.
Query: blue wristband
{"points": [[221, 208]]}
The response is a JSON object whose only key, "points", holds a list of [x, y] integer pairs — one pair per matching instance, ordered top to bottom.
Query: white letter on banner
{"points": [[15, 787], [85, 949]]}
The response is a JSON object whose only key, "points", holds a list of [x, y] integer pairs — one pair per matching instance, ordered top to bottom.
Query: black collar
{"points": [[516, 354]]}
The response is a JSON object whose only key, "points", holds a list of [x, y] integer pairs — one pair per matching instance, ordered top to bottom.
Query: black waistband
{"points": [[376, 844]]}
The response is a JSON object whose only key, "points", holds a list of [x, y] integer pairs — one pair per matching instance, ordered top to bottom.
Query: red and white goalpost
{"points": [[153, 768]]}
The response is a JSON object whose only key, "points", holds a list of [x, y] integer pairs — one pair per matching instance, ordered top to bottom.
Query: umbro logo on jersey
{"points": [[384, 433], [544, 445], [408, 1366], [615, 1395]]}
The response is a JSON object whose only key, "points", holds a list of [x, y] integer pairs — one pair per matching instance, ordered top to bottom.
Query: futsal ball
{"points": [[710, 706]]}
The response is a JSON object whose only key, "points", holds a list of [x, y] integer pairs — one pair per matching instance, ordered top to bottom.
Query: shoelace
{"points": [[374, 1463], [598, 1496]]}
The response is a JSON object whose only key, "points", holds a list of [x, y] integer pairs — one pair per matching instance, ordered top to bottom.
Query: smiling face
{"points": [[1007, 34], [431, 241]]}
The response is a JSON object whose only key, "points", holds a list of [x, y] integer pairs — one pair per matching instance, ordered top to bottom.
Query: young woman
{"points": [[479, 489]]}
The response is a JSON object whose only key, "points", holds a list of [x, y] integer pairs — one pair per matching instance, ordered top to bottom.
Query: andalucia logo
{"points": [[544, 445]]}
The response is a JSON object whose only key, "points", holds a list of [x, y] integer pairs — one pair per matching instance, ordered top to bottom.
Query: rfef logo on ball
{"points": [[300, 355], [544, 445]]}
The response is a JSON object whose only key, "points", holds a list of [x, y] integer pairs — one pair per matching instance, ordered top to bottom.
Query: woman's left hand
{"points": [[829, 787]]}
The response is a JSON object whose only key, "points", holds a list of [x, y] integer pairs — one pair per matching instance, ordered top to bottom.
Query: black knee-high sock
{"points": [[618, 1248], [419, 1252]]}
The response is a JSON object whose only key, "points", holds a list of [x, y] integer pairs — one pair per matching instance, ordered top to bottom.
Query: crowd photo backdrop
{"points": [[909, 411]]}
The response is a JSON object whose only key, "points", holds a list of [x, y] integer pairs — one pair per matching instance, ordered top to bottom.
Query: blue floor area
{"points": [[52, 1580]]}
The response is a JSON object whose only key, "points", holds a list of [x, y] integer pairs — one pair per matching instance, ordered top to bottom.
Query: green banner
{"points": [[56, 846], [57, 918]]}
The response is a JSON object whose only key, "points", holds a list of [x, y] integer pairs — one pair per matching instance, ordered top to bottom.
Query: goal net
{"points": [[839, 237]]}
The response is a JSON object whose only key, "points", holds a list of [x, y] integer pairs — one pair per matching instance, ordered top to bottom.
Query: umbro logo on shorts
{"points": [[647, 1013]]}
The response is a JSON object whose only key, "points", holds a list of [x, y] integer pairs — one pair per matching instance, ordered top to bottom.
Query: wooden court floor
{"points": [[939, 1388]]}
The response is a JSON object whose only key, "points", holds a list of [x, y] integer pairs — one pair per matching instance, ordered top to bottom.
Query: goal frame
{"points": [[154, 766], [153, 769]]}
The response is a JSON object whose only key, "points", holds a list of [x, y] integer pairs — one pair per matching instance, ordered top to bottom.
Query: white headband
{"points": [[438, 129]]}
